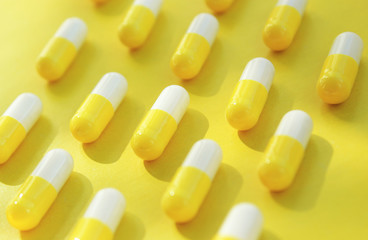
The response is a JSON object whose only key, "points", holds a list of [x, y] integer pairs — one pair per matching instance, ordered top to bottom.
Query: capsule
{"points": [[100, 1], [219, 6], [138, 22], [283, 24], [195, 46], [61, 50], [340, 68], [250, 94], [97, 110], [16, 122], [159, 125], [285, 150], [192, 181], [39, 191], [102, 217], [244, 222]]}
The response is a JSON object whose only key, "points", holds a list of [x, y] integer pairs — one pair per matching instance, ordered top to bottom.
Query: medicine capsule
{"points": [[219, 6], [138, 22], [283, 24], [195, 46], [61, 50], [340, 68], [250, 94], [97, 110], [16, 122], [159, 125], [285, 150], [192, 181], [39, 191], [102, 217], [244, 222]]}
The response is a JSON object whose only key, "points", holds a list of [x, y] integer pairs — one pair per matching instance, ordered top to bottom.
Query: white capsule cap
{"points": [[297, 4], [153, 5], [206, 25], [74, 30], [348, 43], [260, 70], [113, 86], [174, 100], [26, 109], [296, 124], [206, 155], [55, 167], [107, 206], [243, 222]]}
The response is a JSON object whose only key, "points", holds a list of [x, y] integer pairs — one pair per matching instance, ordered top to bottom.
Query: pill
{"points": [[100, 1], [219, 6], [138, 22], [283, 24], [195, 46], [61, 50], [340, 68], [250, 94], [97, 110], [16, 122], [159, 125], [285, 150], [192, 181], [40, 189], [102, 217], [243, 222]]}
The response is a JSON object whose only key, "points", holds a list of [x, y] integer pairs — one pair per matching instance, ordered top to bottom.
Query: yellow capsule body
{"points": [[219, 6], [12, 134], [91, 229], [225, 238]]}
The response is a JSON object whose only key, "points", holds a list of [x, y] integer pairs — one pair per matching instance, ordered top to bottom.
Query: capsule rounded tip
{"points": [[219, 6], [131, 35], [277, 37], [184, 66], [48, 69], [332, 88], [240, 117], [83, 130], [146, 147], [274, 177], [178, 208], [20, 216]]}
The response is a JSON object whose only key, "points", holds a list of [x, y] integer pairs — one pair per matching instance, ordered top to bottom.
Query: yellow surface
{"points": [[12, 134], [328, 199], [90, 229], [225, 238]]}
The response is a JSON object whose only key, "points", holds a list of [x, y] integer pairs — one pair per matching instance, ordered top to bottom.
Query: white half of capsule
{"points": [[297, 4], [153, 5], [205, 25], [73, 29], [348, 43], [260, 70], [112, 86], [174, 100], [26, 109], [296, 124], [206, 155], [55, 167], [107, 206], [243, 222]]}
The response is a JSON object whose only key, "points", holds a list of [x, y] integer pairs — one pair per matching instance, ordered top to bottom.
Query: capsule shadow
{"points": [[112, 7], [130, 227], [267, 235]]}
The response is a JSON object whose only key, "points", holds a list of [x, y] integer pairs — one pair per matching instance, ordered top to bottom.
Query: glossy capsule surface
{"points": [[219, 6], [192, 181]]}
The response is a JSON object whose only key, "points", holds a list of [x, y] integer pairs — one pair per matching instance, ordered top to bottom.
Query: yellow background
{"points": [[328, 199]]}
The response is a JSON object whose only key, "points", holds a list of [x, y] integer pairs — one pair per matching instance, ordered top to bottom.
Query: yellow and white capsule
{"points": [[219, 6], [138, 22], [283, 24], [195, 46], [61, 50], [340, 68], [250, 94], [97, 110], [16, 122], [159, 125], [285, 150], [192, 181], [39, 191], [102, 217], [244, 222]]}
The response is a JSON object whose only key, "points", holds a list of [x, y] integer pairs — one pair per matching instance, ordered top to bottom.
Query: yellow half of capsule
{"points": [[219, 5], [136, 26], [281, 27], [190, 56], [55, 58], [337, 78], [246, 104], [91, 118], [12, 134], [153, 134], [282, 160], [185, 194], [32, 201], [91, 229], [225, 238]]}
